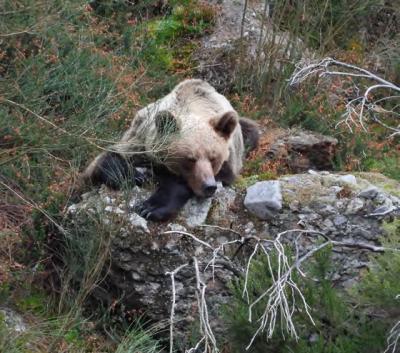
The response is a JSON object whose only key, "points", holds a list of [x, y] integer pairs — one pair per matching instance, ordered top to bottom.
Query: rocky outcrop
{"points": [[222, 50], [297, 151], [342, 207]]}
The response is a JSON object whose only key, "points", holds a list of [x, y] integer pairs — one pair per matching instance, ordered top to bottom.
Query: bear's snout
{"points": [[209, 187]]}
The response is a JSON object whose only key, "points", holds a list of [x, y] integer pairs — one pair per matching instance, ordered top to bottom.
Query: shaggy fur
{"points": [[192, 137]]}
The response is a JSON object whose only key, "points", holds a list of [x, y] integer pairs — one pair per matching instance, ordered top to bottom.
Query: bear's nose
{"points": [[209, 188]]}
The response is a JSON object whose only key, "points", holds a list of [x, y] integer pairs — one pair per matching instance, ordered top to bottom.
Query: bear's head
{"points": [[197, 152]]}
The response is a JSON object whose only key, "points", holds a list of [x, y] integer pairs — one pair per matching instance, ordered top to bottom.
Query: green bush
{"points": [[339, 328]]}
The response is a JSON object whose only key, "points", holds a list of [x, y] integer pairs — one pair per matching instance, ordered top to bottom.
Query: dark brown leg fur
{"points": [[251, 134]]}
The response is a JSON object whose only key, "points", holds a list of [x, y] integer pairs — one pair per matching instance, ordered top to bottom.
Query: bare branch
{"points": [[359, 106], [283, 297], [172, 316], [393, 338]]}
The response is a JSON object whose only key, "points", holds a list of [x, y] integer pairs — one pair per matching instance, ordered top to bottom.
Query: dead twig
{"points": [[358, 109]]}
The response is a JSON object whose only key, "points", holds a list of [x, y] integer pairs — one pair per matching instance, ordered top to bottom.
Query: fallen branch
{"points": [[356, 108], [280, 297], [172, 317], [394, 336]]}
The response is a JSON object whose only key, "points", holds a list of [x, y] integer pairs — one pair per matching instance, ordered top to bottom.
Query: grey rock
{"points": [[218, 52], [302, 151], [348, 179], [369, 193], [264, 198], [222, 203], [294, 205], [354, 206], [112, 209], [327, 210], [381, 211], [195, 212], [339, 220], [138, 223], [175, 227], [249, 228], [142, 253], [12, 320], [313, 338]]}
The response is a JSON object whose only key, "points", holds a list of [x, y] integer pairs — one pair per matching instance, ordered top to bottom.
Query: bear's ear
{"points": [[166, 123], [225, 124]]}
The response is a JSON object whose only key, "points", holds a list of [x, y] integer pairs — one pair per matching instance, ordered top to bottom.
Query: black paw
{"points": [[141, 176], [154, 212]]}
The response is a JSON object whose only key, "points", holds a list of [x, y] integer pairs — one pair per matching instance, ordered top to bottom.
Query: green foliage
{"points": [[325, 24], [299, 112], [388, 165], [381, 286], [34, 303], [338, 326], [140, 340]]}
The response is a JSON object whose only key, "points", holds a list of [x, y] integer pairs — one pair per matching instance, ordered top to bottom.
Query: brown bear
{"points": [[191, 138]]}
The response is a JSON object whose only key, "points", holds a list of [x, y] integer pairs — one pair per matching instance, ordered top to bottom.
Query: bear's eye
{"points": [[191, 160]]}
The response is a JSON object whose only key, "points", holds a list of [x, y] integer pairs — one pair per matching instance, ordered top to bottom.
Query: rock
{"points": [[218, 55], [299, 151], [317, 151], [348, 179], [369, 193], [264, 199], [223, 202], [354, 206], [112, 209], [381, 211], [195, 212], [338, 221], [138, 223], [177, 227], [142, 254], [142, 280], [13, 321], [313, 338]]}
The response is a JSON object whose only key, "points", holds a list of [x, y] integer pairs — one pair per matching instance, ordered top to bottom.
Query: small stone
{"points": [[348, 179], [369, 193], [264, 198], [380, 198], [108, 200], [294, 205], [355, 206], [72, 209], [113, 209], [324, 210], [196, 211], [381, 211], [339, 220], [138, 223], [328, 224], [175, 227], [248, 228], [365, 234], [172, 246], [350, 283], [12, 320], [314, 338]]}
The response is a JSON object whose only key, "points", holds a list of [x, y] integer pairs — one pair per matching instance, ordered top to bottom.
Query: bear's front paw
{"points": [[141, 176], [154, 212]]}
